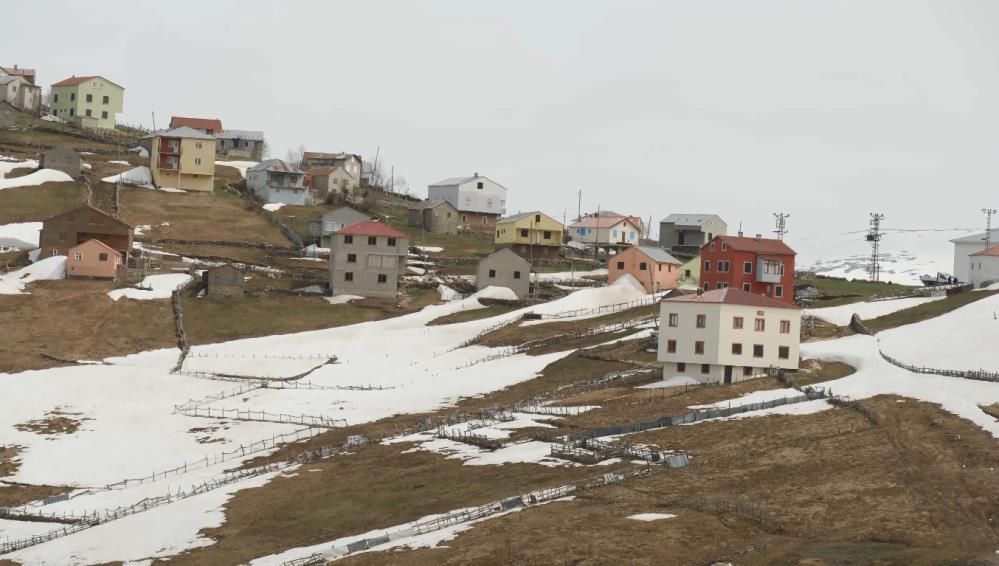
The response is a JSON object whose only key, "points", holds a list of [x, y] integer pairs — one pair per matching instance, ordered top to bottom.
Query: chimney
{"points": [[15, 67], [476, 174], [740, 233], [758, 236]]}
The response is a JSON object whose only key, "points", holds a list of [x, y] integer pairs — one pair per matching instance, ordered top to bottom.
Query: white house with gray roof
{"points": [[276, 181], [474, 196], [690, 231]]}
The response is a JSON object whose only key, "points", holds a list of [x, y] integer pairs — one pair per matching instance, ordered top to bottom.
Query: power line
{"points": [[781, 218], [874, 237]]}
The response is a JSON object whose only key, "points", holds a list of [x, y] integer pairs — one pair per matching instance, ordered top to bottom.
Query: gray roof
{"points": [[5, 80], [186, 132], [250, 135], [277, 166], [459, 180], [432, 204], [345, 215], [518, 217], [690, 219], [978, 238], [505, 253], [659, 255]]}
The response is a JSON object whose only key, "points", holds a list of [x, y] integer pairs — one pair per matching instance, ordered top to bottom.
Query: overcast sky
{"points": [[826, 110]]}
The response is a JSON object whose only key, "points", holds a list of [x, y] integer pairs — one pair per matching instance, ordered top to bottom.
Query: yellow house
{"points": [[89, 102], [183, 158], [530, 235]]}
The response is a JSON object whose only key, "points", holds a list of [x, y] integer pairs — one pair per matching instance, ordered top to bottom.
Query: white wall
{"points": [[467, 197], [983, 269]]}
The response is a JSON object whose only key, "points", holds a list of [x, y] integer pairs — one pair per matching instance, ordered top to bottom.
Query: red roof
{"points": [[18, 71], [74, 80], [196, 123], [319, 171], [372, 228], [757, 245], [993, 251], [733, 296]]}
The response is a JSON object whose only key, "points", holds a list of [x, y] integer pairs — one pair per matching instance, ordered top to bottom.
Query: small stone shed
{"points": [[62, 159], [224, 281]]}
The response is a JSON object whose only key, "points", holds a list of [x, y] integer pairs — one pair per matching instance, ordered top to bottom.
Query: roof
{"points": [[18, 71], [6, 80], [74, 80], [197, 123], [185, 132], [251, 135], [323, 155], [277, 166], [312, 171], [452, 181], [431, 204], [93, 208], [523, 215], [690, 219], [602, 221], [373, 228], [977, 238], [100, 244], [757, 245], [993, 251], [504, 252], [658, 255], [733, 296]]}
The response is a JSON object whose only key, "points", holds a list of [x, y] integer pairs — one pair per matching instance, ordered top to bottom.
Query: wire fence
{"points": [[604, 309], [975, 374], [263, 416]]}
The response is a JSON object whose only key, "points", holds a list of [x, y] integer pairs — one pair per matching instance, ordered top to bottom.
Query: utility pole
{"points": [[579, 205], [781, 224], [988, 226], [874, 237]]}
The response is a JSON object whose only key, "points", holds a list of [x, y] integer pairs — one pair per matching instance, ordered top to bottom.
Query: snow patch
{"points": [[273, 206], [47, 269], [152, 287], [342, 299], [651, 516]]}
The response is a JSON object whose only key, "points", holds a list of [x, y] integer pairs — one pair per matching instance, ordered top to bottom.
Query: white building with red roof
{"points": [[606, 230], [367, 259], [983, 267], [727, 335]]}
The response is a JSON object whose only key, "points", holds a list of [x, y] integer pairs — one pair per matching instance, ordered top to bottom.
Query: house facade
{"points": [[20, 93], [91, 101], [210, 126], [240, 144], [183, 158], [62, 159], [351, 167], [274, 180], [331, 180], [480, 200], [439, 217], [335, 220], [73, 227], [606, 230], [688, 232], [531, 235], [964, 247], [93, 259], [367, 259], [762, 266], [653, 267], [983, 267], [504, 268], [690, 272], [727, 335]]}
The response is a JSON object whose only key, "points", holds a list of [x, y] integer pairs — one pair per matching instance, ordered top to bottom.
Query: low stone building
{"points": [[62, 159], [440, 217], [93, 259], [367, 259], [504, 268], [224, 281]]}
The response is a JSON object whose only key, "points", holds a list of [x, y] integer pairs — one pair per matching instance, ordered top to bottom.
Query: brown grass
{"points": [[34, 204], [476, 314], [517, 334], [56, 421], [13, 494]]}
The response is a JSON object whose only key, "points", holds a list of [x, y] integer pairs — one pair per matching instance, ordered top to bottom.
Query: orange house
{"points": [[93, 259], [654, 268]]}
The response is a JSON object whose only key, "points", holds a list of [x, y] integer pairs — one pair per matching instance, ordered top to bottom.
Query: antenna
{"points": [[781, 224], [988, 226], [874, 237]]}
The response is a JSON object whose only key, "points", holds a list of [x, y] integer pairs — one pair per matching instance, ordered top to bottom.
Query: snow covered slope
{"points": [[49, 268], [841, 315]]}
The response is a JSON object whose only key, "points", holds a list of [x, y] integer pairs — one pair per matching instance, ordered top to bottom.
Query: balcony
{"points": [[170, 146], [168, 162], [769, 270]]}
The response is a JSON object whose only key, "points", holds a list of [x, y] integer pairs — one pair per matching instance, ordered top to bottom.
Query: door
{"points": [[680, 238], [728, 374]]}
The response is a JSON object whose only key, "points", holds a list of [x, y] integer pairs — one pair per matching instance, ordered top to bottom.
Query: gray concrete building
{"points": [[240, 144], [62, 159], [440, 217], [333, 221], [688, 232], [367, 259], [504, 269], [224, 281]]}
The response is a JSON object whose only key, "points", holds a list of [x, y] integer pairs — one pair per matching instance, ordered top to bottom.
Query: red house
{"points": [[758, 265]]}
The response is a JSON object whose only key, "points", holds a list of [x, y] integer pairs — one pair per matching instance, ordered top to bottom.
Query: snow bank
{"points": [[52, 118], [143, 152], [119, 162], [240, 166], [138, 176], [36, 178], [273, 206], [27, 232], [429, 249], [49, 268], [569, 275], [152, 287], [625, 289], [494, 292], [447, 293], [342, 299], [841, 315], [675, 381], [651, 516]]}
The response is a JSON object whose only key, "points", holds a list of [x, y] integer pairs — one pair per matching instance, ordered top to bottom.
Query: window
{"points": [[72, 96], [55, 98], [90, 98], [106, 100], [72, 111], [87, 111], [104, 114], [197, 145], [197, 161], [479, 185], [537, 218], [523, 232], [614, 233], [547, 235], [348, 239], [372, 240], [391, 242], [711, 246], [724, 246], [55, 253], [78, 256], [102, 257], [351, 258], [620, 265], [707, 265], [643, 266], [747, 267], [773, 267], [492, 273], [516, 275], [348, 276], [382, 278], [719, 285], [706, 286], [747, 287], [779, 291], [674, 319], [702, 321], [737, 322], [760, 325], [785, 327], [671, 346], [699, 347], [736, 349], [758, 350], [783, 352], [681, 366], [705, 368], [747, 371]]}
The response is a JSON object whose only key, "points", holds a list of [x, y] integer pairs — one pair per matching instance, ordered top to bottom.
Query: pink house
{"points": [[93, 259], [654, 268]]}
